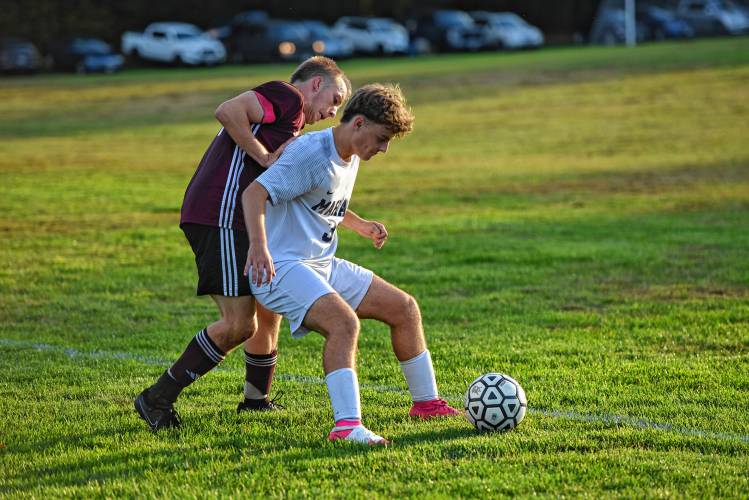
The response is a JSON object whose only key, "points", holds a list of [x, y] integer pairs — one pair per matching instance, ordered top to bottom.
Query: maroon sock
{"points": [[200, 356], [259, 369]]}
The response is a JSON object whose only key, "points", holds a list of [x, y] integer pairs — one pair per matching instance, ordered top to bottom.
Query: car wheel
{"points": [[659, 34], [80, 68]]}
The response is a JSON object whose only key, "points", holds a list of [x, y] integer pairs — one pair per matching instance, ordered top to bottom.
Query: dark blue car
{"points": [[661, 23], [86, 55], [18, 56]]}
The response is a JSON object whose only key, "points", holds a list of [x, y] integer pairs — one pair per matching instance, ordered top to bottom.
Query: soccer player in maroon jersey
{"points": [[257, 125]]}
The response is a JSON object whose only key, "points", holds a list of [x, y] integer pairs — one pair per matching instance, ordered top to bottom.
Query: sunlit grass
{"points": [[577, 217]]}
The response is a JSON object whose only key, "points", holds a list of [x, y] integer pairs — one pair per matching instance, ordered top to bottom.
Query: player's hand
{"points": [[271, 158], [376, 232], [260, 265]]}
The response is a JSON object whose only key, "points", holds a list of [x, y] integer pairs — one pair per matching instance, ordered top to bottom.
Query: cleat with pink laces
{"points": [[434, 408], [357, 434]]}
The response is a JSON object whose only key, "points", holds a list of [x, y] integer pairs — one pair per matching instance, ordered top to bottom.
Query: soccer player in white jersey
{"points": [[292, 266]]}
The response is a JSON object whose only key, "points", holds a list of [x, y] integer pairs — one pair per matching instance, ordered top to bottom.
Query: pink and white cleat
{"points": [[434, 408], [356, 434]]}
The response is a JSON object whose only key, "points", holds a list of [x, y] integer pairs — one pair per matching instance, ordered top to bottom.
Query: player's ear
{"points": [[316, 83], [358, 122]]}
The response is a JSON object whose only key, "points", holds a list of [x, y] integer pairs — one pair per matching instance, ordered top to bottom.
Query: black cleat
{"points": [[260, 404], [156, 417]]}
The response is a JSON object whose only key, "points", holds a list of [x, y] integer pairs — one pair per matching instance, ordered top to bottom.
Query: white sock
{"points": [[419, 374], [343, 389], [252, 392]]}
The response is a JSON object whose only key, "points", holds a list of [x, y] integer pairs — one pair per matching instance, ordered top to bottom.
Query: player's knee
{"points": [[411, 306], [406, 308], [349, 324], [346, 326], [242, 328]]}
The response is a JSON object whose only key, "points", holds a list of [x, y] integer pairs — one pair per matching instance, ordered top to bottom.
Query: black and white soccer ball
{"points": [[495, 402]]}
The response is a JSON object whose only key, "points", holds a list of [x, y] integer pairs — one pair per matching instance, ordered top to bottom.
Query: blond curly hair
{"points": [[382, 104]]}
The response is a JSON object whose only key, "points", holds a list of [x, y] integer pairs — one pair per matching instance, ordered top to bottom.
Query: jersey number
{"points": [[327, 237]]}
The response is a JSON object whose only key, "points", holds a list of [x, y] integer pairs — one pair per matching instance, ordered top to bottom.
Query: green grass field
{"points": [[577, 218]]}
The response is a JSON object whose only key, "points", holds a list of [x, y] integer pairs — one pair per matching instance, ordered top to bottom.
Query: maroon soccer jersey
{"points": [[213, 196]]}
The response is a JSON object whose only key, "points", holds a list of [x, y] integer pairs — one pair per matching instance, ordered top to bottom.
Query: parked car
{"points": [[714, 17], [662, 23], [609, 28], [224, 29], [508, 30], [447, 31], [373, 35], [391, 36], [274, 40], [175, 43], [326, 43], [85, 55], [18, 56]]}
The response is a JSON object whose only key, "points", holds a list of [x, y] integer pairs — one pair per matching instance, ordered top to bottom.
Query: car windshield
{"points": [[657, 13], [453, 19], [508, 21], [357, 23], [381, 25], [317, 28], [288, 30], [187, 32], [186, 35], [90, 46]]}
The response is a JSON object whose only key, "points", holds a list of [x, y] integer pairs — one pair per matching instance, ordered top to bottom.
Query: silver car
{"points": [[508, 30]]}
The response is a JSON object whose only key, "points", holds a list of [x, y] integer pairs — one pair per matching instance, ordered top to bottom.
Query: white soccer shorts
{"points": [[297, 286]]}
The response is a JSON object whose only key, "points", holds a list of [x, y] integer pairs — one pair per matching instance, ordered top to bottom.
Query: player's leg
{"points": [[216, 251], [309, 302], [399, 310], [337, 322], [203, 353], [261, 354]]}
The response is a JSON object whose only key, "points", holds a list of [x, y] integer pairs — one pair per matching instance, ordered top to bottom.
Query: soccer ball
{"points": [[495, 402]]}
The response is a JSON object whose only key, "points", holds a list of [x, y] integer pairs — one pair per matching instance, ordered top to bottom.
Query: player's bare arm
{"points": [[237, 116], [373, 230], [258, 256]]}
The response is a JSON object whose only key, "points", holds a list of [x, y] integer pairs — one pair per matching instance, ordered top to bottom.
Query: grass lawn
{"points": [[577, 218]]}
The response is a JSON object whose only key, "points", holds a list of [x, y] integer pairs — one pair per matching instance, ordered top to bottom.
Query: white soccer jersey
{"points": [[309, 187]]}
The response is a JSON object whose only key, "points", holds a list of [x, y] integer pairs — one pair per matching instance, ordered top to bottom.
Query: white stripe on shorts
{"points": [[223, 260], [233, 265], [229, 275]]}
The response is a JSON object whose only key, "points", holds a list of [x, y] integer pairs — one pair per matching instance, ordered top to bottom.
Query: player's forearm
{"points": [[237, 116], [245, 140], [250, 145], [253, 207], [352, 221]]}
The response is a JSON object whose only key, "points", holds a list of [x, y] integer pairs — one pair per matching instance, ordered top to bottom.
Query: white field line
{"points": [[598, 418]]}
